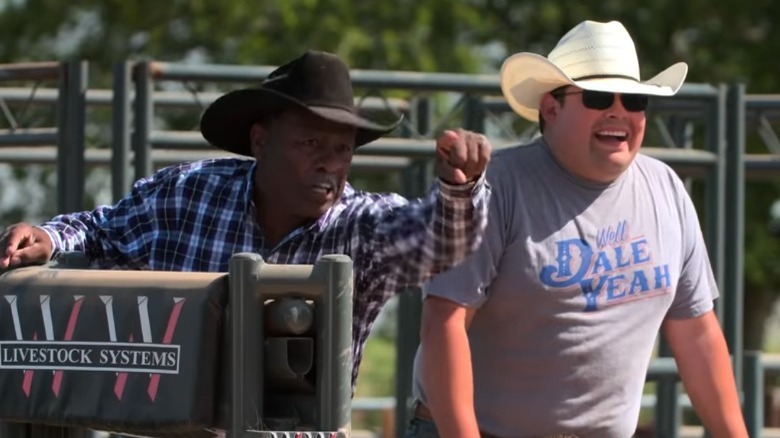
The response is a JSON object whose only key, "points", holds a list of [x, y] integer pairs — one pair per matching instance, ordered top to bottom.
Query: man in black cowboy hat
{"points": [[291, 204]]}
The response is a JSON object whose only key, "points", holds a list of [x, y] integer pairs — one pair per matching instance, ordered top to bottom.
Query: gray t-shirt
{"points": [[572, 283]]}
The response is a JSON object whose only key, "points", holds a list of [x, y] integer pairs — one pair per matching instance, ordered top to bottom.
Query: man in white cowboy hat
{"points": [[291, 204], [548, 329]]}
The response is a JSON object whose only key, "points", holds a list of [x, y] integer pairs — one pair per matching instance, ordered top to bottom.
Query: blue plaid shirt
{"points": [[195, 216]]}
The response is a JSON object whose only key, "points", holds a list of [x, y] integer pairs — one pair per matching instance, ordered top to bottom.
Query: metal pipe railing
{"points": [[25, 71], [18, 97], [68, 134], [163, 157]]}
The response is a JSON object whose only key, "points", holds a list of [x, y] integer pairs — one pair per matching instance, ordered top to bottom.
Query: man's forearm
{"points": [[705, 368], [447, 378], [713, 391]]}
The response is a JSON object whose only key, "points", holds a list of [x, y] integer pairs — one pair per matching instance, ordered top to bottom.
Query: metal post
{"points": [[474, 114], [422, 115], [71, 118], [142, 121], [120, 125], [682, 133], [416, 181], [715, 207], [733, 299], [408, 325], [408, 338], [246, 358], [334, 364], [754, 393], [668, 415]]}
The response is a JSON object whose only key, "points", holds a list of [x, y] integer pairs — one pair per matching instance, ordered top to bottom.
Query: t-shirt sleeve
{"points": [[467, 282], [696, 289]]}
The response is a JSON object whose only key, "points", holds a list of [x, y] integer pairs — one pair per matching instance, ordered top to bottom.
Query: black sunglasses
{"points": [[601, 100]]}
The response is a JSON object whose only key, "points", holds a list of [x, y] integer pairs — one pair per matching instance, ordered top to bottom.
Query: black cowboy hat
{"points": [[318, 82]]}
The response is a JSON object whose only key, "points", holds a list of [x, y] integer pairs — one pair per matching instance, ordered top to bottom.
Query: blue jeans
{"points": [[419, 428]]}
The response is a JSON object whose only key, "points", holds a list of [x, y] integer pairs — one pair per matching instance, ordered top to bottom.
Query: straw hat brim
{"points": [[526, 77]]}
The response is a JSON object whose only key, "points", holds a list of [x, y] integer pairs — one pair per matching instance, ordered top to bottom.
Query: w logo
{"points": [[64, 354]]}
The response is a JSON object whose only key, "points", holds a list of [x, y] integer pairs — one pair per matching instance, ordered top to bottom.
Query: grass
{"points": [[377, 371], [376, 379]]}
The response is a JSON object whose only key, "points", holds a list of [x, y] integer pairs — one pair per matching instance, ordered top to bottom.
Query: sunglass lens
{"points": [[597, 100], [600, 100], [634, 102]]}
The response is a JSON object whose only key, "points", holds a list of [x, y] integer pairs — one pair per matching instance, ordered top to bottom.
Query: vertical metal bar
{"points": [[422, 114], [474, 114], [71, 118], [142, 121], [120, 126], [681, 130], [416, 181], [715, 207], [733, 299], [410, 309], [408, 324], [334, 336], [246, 365], [754, 393], [668, 414]]}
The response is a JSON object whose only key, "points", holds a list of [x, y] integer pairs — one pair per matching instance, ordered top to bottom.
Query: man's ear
{"points": [[548, 107], [258, 135]]}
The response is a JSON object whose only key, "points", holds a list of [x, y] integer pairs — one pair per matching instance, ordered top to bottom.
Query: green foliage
{"points": [[433, 35], [722, 41], [378, 368], [376, 379]]}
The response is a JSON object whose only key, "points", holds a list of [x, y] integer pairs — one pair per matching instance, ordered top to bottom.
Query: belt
{"points": [[423, 413]]}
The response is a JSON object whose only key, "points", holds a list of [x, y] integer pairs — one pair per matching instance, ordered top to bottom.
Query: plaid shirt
{"points": [[195, 216]]}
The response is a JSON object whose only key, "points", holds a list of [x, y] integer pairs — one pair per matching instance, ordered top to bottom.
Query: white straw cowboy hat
{"points": [[593, 56]]}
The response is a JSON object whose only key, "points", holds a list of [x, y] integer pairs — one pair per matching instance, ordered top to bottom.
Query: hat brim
{"points": [[526, 77], [227, 121]]}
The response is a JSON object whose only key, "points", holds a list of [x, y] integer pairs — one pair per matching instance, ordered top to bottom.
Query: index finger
{"points": [[446, 140], [459, 152], [9, 242]]}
